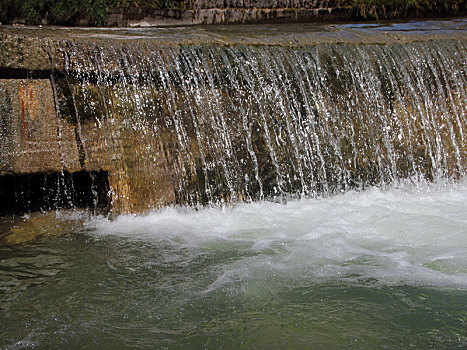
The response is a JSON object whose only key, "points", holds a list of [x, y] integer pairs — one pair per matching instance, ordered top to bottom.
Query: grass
{"points": [[400, 8]]}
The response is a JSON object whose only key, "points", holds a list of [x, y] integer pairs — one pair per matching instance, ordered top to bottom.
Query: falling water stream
{"points": [[250, 123], [313, 195]]}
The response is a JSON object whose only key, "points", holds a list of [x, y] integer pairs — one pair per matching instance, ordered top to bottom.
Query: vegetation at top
{"points": [[380, 8], [71, 11], [94, 12]]}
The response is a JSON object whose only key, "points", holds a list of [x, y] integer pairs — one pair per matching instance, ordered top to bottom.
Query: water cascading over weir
{"points": [[145, 119]]}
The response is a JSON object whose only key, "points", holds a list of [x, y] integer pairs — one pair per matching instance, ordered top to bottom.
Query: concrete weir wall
{"points": [[226, 116], [40, 136], [34, 139], [38, 147]]}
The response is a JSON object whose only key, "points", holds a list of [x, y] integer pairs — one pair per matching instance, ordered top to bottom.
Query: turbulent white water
{"points": [[413, 235]]}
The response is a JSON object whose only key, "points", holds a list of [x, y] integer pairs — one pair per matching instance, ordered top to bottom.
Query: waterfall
{"points": [[213, 124], [303, 186]]}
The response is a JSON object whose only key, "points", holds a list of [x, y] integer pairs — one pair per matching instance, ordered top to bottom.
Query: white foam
{"points": [[411, 235]]}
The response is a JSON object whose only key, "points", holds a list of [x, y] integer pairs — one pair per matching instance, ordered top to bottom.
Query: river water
{"points": [[373, 269]]}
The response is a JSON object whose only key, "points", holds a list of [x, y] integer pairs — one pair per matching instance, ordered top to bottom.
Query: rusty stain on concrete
{"points": [[31, 133]]}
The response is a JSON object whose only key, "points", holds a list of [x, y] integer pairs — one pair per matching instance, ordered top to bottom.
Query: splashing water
{"points": [[406, 235]]}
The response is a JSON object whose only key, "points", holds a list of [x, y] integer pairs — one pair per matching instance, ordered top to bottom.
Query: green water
{"points": [[371, 270], [76, 291]]}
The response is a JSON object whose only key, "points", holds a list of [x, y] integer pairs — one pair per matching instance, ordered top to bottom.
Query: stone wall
{"points": [[266, 4], [233, 11], [263, 11]]}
